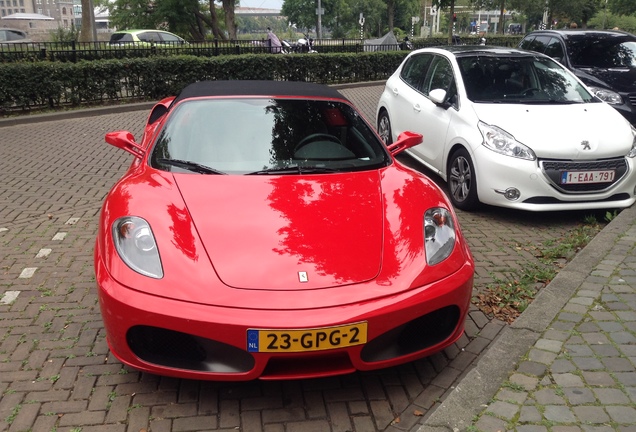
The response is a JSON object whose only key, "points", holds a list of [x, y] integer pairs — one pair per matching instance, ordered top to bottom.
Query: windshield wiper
{"points": [[525, 101], [551, 102], [190, 166], [294, 169]]}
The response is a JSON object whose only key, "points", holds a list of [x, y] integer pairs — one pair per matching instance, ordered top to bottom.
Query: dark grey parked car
{"points": [[11, 35], [605, 60]]}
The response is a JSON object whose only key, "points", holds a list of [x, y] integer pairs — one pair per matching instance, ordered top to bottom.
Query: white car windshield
{"points": [[520, 79], [266, 136]]}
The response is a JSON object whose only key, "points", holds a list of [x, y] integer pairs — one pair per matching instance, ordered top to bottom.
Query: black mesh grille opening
{"points": [[417, 335], [185, 351]]}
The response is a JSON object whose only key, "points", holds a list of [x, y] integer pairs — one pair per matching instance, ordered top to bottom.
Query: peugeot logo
{"points": [[586, 145], [302, 276]]}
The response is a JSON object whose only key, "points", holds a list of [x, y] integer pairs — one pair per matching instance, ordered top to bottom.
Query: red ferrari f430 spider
{"points": [[263, 230]]}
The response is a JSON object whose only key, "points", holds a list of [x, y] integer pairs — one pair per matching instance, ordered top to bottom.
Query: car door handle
{"points": [[395, 91], [417, 107]]}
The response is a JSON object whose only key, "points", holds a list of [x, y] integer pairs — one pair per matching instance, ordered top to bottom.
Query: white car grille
{"points": [[553, 170]]}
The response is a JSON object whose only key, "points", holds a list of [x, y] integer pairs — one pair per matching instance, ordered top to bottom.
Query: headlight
{"points": [[609, 96], [500, 141], [632, 152], [439, 235], [136, 246]]}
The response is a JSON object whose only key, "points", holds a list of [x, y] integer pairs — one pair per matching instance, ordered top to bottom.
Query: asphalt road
{"points": [[55, 369]]}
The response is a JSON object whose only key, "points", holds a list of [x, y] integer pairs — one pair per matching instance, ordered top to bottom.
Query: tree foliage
{"points": [[450, 5], [622, 7], [578, 11], [373, 12], [563, 12], [301, 13], [133, 14], [342, 17], [192, 19]]}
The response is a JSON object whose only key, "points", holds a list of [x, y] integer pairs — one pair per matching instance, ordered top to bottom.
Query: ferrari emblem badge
{"points": [[586, 145], [302, 276]]}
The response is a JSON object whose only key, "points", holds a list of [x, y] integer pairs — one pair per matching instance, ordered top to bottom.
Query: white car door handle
{"points": [[395, 91], [417, 107]]}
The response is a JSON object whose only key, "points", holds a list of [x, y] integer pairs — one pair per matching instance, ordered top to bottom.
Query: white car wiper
{"points": [[190, 166]]}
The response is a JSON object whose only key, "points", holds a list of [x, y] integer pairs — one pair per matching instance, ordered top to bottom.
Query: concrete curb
{"points": [[74, 113], [479, 386]]}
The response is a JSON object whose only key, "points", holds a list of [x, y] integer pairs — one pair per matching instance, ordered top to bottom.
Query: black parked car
{"points": [[605, 60]]}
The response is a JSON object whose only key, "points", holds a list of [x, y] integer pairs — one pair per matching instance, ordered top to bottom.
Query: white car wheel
{"points": [[384, 128], [462, 181]]}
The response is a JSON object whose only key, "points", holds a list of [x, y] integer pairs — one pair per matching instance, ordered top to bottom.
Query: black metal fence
{"points": [[75, 51]]}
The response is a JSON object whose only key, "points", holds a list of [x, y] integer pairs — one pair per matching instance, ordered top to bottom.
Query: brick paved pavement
{"points": [[568, 364], [55, 369]]}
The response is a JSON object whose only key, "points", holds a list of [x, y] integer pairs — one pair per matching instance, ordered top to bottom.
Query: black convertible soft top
{"points": [[257, 88]]}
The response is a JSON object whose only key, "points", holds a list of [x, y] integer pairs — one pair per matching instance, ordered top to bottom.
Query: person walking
{"points": [[273, 42]]}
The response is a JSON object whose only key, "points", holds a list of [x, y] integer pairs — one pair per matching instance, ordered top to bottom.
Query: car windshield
{"points": [[602, 52], [520, 79], [266, 136]]}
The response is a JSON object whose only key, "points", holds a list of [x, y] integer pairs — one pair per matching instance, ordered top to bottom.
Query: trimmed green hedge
{"points": [[27, 85], [51, 85]]}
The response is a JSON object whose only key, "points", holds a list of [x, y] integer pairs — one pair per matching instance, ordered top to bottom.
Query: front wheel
{"points": [[384, 128], [462, 181]]}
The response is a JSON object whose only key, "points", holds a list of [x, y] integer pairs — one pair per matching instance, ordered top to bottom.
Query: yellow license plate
{"points": [[303, 340]]}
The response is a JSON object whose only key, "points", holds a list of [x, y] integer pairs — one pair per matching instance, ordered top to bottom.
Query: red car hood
{"points": [[289, 232]]}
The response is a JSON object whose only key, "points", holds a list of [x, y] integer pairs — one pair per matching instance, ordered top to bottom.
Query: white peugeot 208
{"points": [[510, 128]]}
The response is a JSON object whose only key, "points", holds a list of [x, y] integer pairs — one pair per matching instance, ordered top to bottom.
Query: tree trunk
{"points": [[390, 9], [502, 20], [213, 22], [230, 24], [87, 33]]}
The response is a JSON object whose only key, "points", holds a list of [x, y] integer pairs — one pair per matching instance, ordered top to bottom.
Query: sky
{"points": [[266, 4]]}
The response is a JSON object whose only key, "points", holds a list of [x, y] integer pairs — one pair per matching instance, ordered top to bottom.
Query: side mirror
{"points": [[438, 96], [405, 140], [125, 141]]}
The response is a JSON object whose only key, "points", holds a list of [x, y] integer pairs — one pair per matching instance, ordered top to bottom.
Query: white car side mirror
{"points": [[438, 96]]}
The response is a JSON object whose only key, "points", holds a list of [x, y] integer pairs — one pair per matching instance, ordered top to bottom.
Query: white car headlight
{"points": [[609, 96], [500, 141], [632, 152], [439, 235], [136, 246]]}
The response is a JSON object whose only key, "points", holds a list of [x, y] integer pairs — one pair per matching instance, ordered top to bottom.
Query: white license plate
{"points": [[582, 177]]}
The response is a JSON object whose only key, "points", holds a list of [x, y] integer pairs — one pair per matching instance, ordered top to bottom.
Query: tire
{"points": [[384, 128], [462, 181]]}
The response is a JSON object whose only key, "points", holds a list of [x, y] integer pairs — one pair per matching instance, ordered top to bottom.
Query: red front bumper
{"points": [[158, 327]]}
